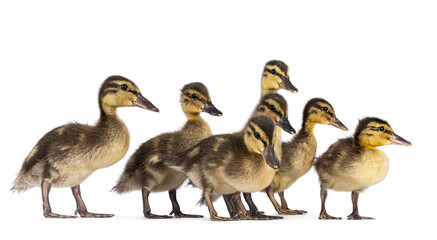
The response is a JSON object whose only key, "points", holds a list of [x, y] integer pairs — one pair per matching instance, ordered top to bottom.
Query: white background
{"points": [[368, 58]]}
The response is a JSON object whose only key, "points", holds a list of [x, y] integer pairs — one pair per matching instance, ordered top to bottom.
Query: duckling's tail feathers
{"points": [[24, 182], [125, 184]]}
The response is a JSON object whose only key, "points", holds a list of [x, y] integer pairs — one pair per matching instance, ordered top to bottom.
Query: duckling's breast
{"points": [[369, 169], [253, 176]]}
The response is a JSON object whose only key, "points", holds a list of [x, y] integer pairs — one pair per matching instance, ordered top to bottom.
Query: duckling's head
{"points": [[275, 77], [118, 91], [195, 99], [275, 107], [318, 110], [373, 132], [258, 137]]}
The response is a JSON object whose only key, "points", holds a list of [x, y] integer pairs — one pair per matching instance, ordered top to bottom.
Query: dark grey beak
{"points": [[286, 84], [142, 102], [211, 109], [337, 123], [285, 125], [398, 140], [271, 158]]}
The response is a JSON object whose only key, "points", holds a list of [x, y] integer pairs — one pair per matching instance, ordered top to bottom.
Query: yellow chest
{"points": [[371, 168]]}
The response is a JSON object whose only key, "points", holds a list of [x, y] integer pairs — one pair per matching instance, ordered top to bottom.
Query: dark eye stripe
{"points": [[275, 73], [114, 85], [198, 97], [321, 108], [275, 111], [376, 129], [254, 131]]}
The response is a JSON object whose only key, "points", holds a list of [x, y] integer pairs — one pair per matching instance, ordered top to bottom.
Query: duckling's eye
{"points": [[273, 71], [124, 87], [194, 96], [271, 107], [325, 109], [382, 129], [257, 136]]}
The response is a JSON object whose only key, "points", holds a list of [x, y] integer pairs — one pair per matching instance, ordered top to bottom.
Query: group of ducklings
{"points": [[251, 160]]}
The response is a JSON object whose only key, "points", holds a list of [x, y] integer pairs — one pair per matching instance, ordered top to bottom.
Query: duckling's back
{"points": [[146, 169]]}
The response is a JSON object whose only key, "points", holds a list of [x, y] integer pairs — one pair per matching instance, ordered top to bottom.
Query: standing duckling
{"points": [[275, 76], [275, 107], [68, 154], [298, 154], [230, 163], [354, 163], [145, 170]]}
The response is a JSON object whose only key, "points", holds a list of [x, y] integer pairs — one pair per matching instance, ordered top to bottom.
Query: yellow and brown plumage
{"points": [[275, 76], [275, 107], [68, 154], [298, 154], [230, 163], [354, 163], [145, 170]]}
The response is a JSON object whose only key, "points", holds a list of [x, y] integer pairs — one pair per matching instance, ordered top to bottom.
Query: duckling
{"points": [[276, 76], [275, 107], [68, 154], [298, 154], [230, 163], [354, 163], [145, 170]]}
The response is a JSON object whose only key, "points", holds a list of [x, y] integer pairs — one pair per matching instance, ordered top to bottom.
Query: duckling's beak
{"points": [[286, 84], [142, 102], [211, 109], [337, 123], [285, 125], [398, 140], [271, 158]]}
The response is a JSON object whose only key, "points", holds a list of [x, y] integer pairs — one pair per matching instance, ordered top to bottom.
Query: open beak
{"points": [[286, 84], [142, 102], [211, 109], [337, 123], [285, 125], [398, 140], [270, 157]]}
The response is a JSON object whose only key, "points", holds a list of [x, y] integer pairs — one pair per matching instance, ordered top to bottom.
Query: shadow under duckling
{"points": [[67, 155], [298, 155], [230, 163], [354, 163], [145, 170]]}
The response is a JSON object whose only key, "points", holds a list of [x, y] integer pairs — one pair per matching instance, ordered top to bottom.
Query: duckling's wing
{"points": [[52, 147]]}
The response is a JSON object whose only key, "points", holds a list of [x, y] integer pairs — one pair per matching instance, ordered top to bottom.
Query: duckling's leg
{"points": [[230, 204], [284, 206], [146, 207], [81, 208], [176, 209], [47, 210], [254, 210], [212, 212], [243, 214], [323, 214], [355, 215]]}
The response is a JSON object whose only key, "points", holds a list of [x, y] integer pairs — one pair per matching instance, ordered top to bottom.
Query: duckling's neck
{"points": [[265, 91], [107, 110], [193, 116], [308, 126]]}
